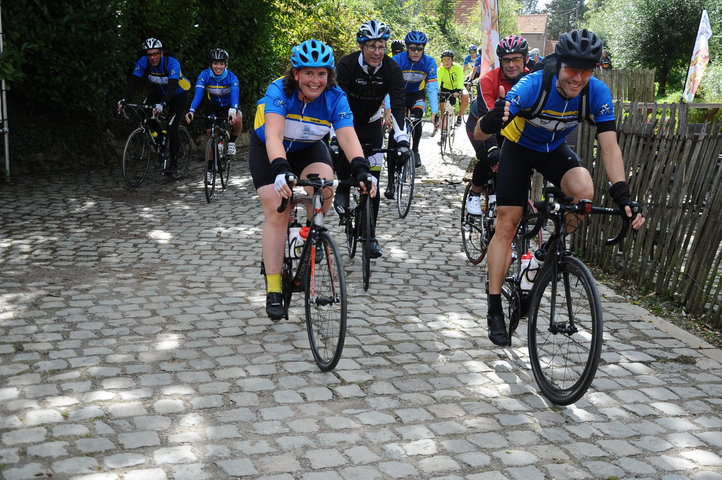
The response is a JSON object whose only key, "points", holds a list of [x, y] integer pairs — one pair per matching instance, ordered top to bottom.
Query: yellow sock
{"points": [[274, 283]]}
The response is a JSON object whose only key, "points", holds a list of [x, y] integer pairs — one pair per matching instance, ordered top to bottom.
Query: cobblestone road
{"points": [[134, 345]]}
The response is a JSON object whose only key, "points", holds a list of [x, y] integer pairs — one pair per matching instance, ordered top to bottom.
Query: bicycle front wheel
{"points": [[443, 139], [184, 153], [136, 158], [224, 163], [209, 173], [405, 185], [351, 225], [474, 234], [366, 241], [326, 303], [565, 331]]}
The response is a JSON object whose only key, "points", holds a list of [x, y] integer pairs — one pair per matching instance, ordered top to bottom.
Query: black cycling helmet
{"points": [[152, 43], [512, 44], [397, 46], [579, 48], [447, 53], [218, 55]]}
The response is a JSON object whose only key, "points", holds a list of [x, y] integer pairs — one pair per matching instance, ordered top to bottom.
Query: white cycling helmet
{"points": [[152, 43]]}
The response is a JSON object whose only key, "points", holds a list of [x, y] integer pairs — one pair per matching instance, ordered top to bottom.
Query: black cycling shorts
{"points": [[516, 164], [261, 167]]}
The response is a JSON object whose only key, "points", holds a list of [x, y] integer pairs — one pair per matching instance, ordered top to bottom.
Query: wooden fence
{"points": [[629, 85], [674, 171]]}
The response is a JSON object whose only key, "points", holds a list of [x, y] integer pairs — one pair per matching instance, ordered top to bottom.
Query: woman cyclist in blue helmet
{"points": [[296, 113]]}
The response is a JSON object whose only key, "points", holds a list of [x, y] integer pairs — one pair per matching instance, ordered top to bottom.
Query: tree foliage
{"points": [[564, 15], [657, 34]]}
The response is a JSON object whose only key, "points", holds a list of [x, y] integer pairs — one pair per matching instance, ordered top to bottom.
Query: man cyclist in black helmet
{"points": [[397, 46], [367, 76], [170, 91], [538, 143]]}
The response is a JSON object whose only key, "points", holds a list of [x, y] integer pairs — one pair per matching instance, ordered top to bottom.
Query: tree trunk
{"points": [[663, 81]]}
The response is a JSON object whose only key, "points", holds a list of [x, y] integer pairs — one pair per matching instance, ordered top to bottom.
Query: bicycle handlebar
{"points": [[312, 181], [550, 207]]}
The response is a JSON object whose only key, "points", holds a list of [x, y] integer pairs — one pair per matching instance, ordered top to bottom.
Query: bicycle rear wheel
{"points": [[444, 133], [184, 153], [136, 157], [224, 162], [209, 173], [405, 185], [474, 234], [365, 240], [326, 303], [565, 331]]}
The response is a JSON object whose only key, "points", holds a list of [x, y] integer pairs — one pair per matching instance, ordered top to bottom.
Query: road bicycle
{"points": [[447, 124], [148, 142], [218, 162], [405, 173], [357, 226], [477, 230], [315, 268], [563, 307]]}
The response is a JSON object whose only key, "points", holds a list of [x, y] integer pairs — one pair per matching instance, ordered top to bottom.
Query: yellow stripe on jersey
{"points": [[260, 116], [301, 118], [514, 130]]}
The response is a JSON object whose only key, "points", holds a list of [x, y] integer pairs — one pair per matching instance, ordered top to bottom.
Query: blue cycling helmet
{"points": [[372, 30], [415, 36], [312, 53]]}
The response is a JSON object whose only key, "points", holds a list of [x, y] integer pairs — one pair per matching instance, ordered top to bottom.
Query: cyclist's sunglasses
{"points": [[416, 49], [153, 54], [515, 60], [573, 71]]}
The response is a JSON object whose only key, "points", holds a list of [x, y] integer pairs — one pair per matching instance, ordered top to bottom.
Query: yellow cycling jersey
{"points": [[452, 78]]}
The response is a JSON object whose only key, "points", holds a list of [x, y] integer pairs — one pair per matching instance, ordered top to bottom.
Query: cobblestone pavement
{"points": [[134, 345]]}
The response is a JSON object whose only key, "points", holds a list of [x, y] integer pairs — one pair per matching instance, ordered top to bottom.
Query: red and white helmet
{"points": [[512, 44]]}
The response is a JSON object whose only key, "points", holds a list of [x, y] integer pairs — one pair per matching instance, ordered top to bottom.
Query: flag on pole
{"points": [[489, 34], [700, 58]]}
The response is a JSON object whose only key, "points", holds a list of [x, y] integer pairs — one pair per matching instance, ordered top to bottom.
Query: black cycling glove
{"points": [[494, 119], [493, 155], [360, 169], [620, 194]]}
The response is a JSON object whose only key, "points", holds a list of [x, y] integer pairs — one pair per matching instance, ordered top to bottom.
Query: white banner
{"points": [[489, 35], [700, 58]]}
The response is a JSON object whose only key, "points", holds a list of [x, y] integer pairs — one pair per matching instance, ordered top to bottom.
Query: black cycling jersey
{"points": [[367, 87]]}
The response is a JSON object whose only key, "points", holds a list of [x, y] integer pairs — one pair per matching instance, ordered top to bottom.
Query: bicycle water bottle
{"points": [[220, 149], [295, 242], [525, 263], [533, 269]]}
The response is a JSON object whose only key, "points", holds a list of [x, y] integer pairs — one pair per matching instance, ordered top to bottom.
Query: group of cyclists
{"points": [[350, 100]]}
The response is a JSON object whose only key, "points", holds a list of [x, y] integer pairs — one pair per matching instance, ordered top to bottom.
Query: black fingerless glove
{"points": [[494, 119], [492, 155], [279, 166], [360, 169], [620, 194]]}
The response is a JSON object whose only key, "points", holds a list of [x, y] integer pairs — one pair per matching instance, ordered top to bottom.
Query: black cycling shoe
{"points": [[418, 159], [170, 170], [390, 190], [340, 203], [375, 249], [274, 306], [497, 329]]}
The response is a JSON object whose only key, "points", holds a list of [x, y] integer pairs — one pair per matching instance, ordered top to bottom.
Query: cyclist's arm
{"points": [[459, 78], [133, 82], [489, 89], [170, 90], [433, 92], [235, 93], [198, 94], [397, 99], [275, 127], [612, 156]]}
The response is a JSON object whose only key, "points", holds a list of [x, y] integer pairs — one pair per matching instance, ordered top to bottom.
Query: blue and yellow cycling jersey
{"points": [[468, 60], [168, 68], [418, 74], [221, 90], [558, 116], [305, 122]]}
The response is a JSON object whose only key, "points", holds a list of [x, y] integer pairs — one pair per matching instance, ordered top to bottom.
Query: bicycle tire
{"points": [[444, 132], [184, 153], [136, 157], [211, 160], [225, 162], [405, 185], [352, 223], [474, 235], [365, 240], [286, 284], [325, 303], [564, 364]]}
